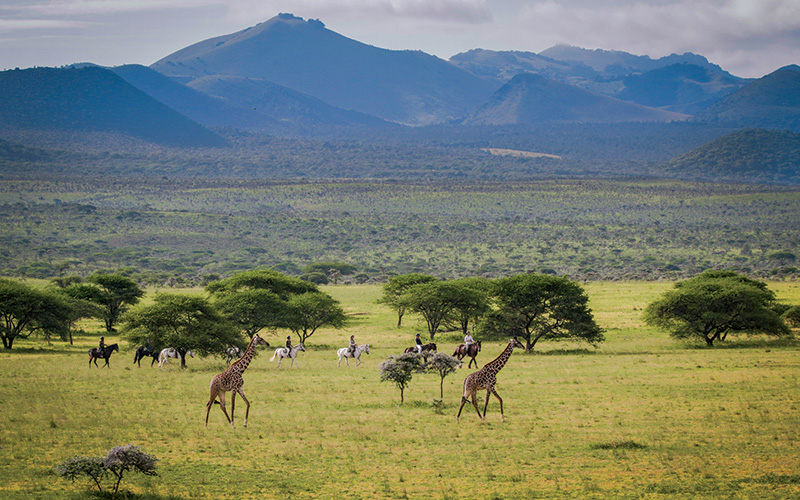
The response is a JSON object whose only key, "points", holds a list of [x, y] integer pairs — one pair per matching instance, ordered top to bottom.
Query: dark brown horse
{"points": [[426, 347], [473, 351], [143, 352], [105, 353]]}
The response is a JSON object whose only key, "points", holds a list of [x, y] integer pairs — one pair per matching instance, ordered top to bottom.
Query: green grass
{"points": [[639, 417]]}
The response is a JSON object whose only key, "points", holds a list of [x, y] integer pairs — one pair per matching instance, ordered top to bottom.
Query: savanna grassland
{"points": [[185, 231], [641, 416]]}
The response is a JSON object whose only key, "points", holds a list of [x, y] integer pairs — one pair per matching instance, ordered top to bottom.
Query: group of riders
{"points": [[468, 341]]}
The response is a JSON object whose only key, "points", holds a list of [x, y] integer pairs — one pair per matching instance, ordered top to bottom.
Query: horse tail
{"points": [[273, 356]]}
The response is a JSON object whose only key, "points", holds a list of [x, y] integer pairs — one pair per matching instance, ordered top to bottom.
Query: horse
{"points": [[426, 347], [473, 351], [142, 352], [170, 352], [233, 352], [283, 352], [105, 353], [345, 353]]}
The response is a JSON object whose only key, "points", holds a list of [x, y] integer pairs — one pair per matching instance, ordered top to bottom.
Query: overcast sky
{"points": [[749, 38]]}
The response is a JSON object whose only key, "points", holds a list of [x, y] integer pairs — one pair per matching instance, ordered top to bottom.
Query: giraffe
{"points": [[486, 378], [231, 380]]}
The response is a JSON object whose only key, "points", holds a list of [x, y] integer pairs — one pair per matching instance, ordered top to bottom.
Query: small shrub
{"points": [[117, 462]]}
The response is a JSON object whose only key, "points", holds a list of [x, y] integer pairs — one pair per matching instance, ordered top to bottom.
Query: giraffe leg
{"points": [[463, 400], [486, 403], [210, 404], [475, 404], [501, 404], [222, 406], [233, 406], [247, 410]]}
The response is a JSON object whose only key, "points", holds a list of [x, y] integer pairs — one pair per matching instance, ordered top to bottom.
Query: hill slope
{"points": [[403, 86], [530, 98], [93, 99], [772, 101], [753, 155]]}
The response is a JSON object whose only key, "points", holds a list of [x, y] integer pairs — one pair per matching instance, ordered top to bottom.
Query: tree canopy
{"points": [[397, 286], [112, 291], [436, 300], [714, 304], [539, 306], [26, 310], [309, 311], [184, 322]]}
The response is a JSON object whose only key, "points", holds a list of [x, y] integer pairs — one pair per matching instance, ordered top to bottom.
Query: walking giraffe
{"points": [[486, 378], [231, 380]]}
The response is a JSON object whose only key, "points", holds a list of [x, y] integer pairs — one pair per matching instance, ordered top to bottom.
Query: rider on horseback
{"points": [[468, 341], [418, 342], [102, 343], [288, 345], [352, 346]]}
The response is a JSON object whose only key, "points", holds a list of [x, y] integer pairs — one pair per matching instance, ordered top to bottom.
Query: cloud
{"points": [[52, 8], [450, 11], [10, 25]]}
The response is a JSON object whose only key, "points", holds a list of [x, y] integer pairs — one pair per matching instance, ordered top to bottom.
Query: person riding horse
{"points": [[468, 341], [418, 344], [352, 346]]}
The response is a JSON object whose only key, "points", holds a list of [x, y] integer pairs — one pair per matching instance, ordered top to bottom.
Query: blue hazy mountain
{"points": [[684, 83], [403, 86], [529, 98], [92, 99], [772, 101], [243, 103]]}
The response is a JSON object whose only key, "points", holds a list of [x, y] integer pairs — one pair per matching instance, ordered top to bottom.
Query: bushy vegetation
{"points": [[188, 232]]}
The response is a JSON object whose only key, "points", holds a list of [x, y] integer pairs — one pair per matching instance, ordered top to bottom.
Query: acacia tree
{"points": [[261, 279], [397, 286], [112, 291], [435, 301], [473, 304], [714, 304], [538, 306], [26, 310], [252, 310], [309, 311], [183, 322], [443, 364], [400, 369]]}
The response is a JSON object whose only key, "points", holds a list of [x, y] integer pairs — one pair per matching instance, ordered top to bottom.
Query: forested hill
{"points": [[92, 99], [769, 102], [756, 155]]}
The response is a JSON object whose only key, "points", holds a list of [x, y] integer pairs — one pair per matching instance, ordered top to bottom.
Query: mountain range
{"points": [[291, 77]]}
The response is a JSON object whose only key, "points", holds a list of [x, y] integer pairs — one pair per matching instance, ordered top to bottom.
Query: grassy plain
{"points": [[639, 417]]}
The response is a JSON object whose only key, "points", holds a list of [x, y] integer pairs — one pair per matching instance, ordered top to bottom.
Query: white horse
{"points": [[170, 352], [283, 352], [233, 353], [345, 353]]}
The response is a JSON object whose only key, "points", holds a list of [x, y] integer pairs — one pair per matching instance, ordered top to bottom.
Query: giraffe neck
{"points": [[500, 361], [242, 364]]}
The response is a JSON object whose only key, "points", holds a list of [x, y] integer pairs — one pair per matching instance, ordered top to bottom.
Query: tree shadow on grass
{"points": [[749, 343], [122, 495]]}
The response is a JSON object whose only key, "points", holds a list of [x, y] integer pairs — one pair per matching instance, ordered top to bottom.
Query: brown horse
{"points": [[473, 351], [105, 353]]}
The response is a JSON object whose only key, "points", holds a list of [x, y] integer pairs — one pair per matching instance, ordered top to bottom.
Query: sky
{"points": [[749, 38]]}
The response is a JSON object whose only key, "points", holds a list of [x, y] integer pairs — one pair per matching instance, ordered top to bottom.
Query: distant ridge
{"points": [[409, 87], [530, 98], [93, 99], [772, 101], [756, 155]]}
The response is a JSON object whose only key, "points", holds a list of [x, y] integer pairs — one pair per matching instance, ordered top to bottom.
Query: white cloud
{"points": [[101, 7], [9, 25]]}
